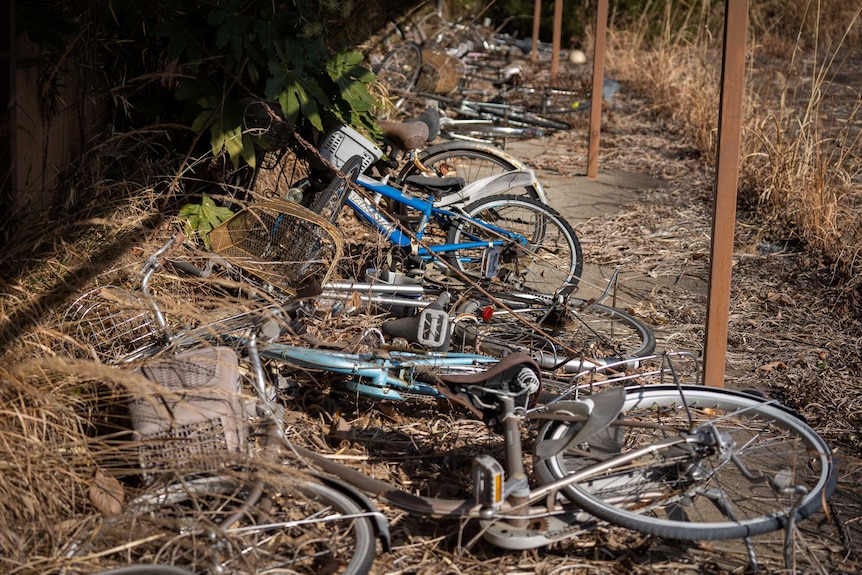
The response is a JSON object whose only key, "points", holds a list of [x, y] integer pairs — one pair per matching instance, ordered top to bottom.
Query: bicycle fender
{"points": [[489, 186], [599, 409], [381, 524]]}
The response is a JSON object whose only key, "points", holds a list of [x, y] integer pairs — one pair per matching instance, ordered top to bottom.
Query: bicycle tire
{"points": [[399, 69], [329, 201], [554, 255], [593, 332], [666, 492], [250, 527]]}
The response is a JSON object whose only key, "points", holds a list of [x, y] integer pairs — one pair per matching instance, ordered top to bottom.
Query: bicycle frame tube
{"points": [[369, 212], [384, 378]]}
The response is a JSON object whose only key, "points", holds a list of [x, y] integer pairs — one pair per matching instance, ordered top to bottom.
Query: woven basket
{"points": [[440, 72], [281, 243]]}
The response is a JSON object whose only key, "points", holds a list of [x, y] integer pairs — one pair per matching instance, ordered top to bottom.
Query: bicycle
{"points": [[500, 113], [462, 162], [288, 166], [514, 240], [120, 326], [558, 332], [192, 426], [674, 461], [678, 461]]}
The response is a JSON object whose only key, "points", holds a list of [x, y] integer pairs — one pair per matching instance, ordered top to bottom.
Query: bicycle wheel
{"points": [[399, 69], [479, 131], [470, 161], [329, 201], [550, 259], [578, 330], [706, 488], [248, 527]]}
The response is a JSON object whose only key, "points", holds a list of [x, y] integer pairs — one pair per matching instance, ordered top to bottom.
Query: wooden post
{"points": [[537, 20], [555, 43], [598, 81], [726, 182]]}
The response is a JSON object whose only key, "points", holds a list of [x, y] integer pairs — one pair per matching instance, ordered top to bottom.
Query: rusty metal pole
{"points": [[537, 20], [555, 43], [598, 81], [726, 182]]}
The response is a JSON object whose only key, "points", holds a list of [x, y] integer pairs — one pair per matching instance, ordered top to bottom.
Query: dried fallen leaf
{"points": [[780, 298], [355, 301], [772, 366], [106, 494]]}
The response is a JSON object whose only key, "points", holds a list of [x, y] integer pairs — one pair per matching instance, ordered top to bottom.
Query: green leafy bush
{"points": [[234, 51]]}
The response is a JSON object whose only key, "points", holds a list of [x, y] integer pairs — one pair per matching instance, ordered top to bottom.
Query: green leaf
{"points": [[201, 121], [189, 210], [202, 218]]}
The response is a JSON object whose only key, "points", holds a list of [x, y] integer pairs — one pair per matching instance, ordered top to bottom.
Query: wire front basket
{"points": [[440, 72], [281, 243], [112, 323]]}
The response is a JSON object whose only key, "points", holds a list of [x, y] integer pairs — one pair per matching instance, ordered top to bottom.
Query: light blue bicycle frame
{"points": [[388, 377]]}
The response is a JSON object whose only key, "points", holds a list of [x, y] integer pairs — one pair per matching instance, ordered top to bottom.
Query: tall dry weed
{"points": [[801, 165]]}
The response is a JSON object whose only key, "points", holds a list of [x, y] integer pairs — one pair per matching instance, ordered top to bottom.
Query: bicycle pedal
{"points": [[433, 329], [488, 478]]}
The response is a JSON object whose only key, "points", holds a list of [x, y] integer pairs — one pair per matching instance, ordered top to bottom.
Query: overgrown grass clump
{"points": [[801, 167]]}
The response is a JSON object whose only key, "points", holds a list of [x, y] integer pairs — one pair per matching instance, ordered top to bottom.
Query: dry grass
{"points": [[801, 166]]}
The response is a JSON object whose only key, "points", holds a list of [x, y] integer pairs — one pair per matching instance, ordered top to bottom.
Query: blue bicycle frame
{"points": [[368, 211]]}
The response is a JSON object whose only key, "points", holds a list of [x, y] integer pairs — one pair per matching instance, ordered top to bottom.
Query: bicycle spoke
{"points": [[748, 467]]}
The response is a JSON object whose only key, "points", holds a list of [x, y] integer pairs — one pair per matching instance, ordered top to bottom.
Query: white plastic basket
{"points": [[344, 143]]}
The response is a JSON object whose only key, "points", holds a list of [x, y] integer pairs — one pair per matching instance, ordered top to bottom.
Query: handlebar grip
{"points": [[190, 269], [430, 328]]}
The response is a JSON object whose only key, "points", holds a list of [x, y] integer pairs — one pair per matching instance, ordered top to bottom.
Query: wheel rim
{"points": [[548, 262], [580, 331]]}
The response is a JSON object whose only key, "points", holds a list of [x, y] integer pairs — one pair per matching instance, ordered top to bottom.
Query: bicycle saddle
{"points": [[431, 118], [406, 135], [516, 376]]}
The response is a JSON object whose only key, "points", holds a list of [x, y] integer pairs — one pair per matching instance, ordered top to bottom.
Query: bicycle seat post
{"points": [[516, 477]]}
